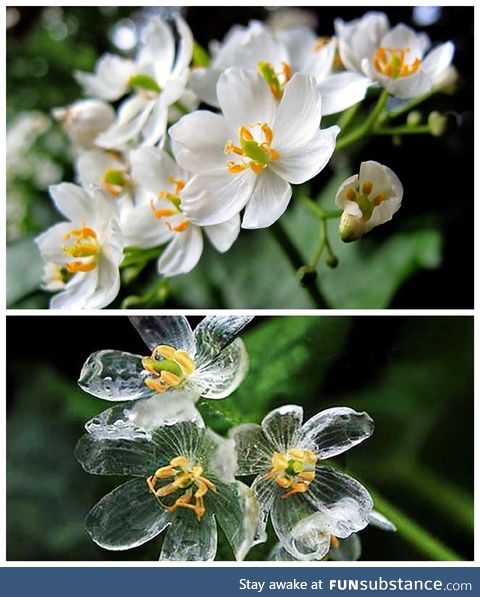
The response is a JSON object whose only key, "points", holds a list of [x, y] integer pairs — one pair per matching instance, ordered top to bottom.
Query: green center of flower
{"points": [[392, 62], [145, 82], [255, 155], [115, 181], [174, 198], [363, 198], [168, 371], [293, 471], [185, 477]]}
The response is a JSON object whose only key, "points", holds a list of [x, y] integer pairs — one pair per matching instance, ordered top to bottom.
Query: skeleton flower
{"points": [[278, 55], [396, 58], [155, 81], [248, 156], [368, 199], [159, 217], [86, 250], [208, 362], [184, 482], [301, 494], [341, 550]]}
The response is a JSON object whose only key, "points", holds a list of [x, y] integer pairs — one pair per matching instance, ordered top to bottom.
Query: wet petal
{"points": [[171, 330], [216, 332], [114, 375], [222, 376], [165, 409], [115, 423], [282, 426], [335, 430], [183, 438], [254, 453], [116, 456], [265, 491], [345, 503], [235, 509], [127, 517], [299, 528], [189, 540]]}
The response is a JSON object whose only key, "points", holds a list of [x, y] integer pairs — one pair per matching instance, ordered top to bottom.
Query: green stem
{"points": [[410, 105], [347, 116], [366, 127], [403, 130], [321, 214], [320, 247], [296, 261], [413, 533]]}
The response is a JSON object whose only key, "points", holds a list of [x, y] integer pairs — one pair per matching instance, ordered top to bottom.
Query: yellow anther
{"points": [[321, 43], [391, 62], [287, 71], [245, 134], [235, 168], [257, 168], [179, 184], [367, 187], [351, 195], [380, 198], [161, 213], [179, 227], [82, 248], [167, 352], [187, 364], [169, 370], [170, 379], [294, 453], [179, 461], [294, 470], [283, 482], [295, 488], [334, 542]]}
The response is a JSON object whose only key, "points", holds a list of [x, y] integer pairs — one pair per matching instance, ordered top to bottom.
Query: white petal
{"points": [[401, 36], [300, 43], [159, 48], [185, 48], [438, 60], [110, 80], [204, 81], [409, 87], [342, 90], [245, 98], [299, 113], [155, 126], [121, 133], [199, 141], [305, 162], [152, 168], [214, 198], [269, 200], [72, 201], [142, 229], [222, 236], [51, 241], [182, 253], [108, 284], [77, 292], [173, 331], [114, 375], [221, 377], [282, 427], [335, 430], [254, 453], [345, 503], [127, 517], [189, 540]]}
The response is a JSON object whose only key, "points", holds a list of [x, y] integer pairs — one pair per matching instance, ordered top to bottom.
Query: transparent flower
{"points": [[278, 55], [395, 58], [155, 80], [84, 120], [248, 156], [368, 199], [157, 217], [88, 248], [208, 362], [183, 482], [308, 502], [340, 550]]}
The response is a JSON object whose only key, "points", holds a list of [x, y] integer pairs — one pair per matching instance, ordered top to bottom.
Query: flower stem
{"points": [[411, 104], [347, 117], [321, 214], [296, 261], [413, 533]]}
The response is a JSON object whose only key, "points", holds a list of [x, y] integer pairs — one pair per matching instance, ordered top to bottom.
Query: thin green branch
{"points": [[411, 104]]}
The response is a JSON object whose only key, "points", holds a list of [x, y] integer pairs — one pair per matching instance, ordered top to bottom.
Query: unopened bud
{"points": [[414, 118], [83, 121], [438, 124], [351, 228], [332, 261]]}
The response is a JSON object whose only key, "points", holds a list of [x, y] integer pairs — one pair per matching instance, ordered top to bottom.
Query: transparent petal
{"points": [[174, 331], [216, 332], [114, 375], [222, 376], [165, 409], [115, 423], [282, 426], [335, 430], [180, 439], [254, 453], [116, 456], [219, 456], [265, 491], [345, 503], [235, 509], [127, 517], [381, 522], [299, 528], [189, 540], [348, 550], [280, 554]]}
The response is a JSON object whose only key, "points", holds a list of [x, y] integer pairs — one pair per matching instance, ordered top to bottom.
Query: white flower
{"points": [[278, 55], [396, 58], [158, 77], [84, 120], [248, 156], [107, 169], [368, 199], [158, 218], [89, 247], [54, 277], [209, 362], [301, 495]]}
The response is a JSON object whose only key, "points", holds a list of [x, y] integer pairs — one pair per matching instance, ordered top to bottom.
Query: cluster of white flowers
{"points": [[144, 185], [185, 473]]}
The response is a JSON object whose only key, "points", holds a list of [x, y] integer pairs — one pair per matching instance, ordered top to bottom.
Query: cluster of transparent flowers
{"points": [[144, 185], [184, 474]]}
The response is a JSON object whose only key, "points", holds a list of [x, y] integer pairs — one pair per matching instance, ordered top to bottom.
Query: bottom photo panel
{"points": [[231, 437]]}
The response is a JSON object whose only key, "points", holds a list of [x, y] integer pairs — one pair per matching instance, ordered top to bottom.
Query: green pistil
{"points": [[267, 72], [144, 82], [253, 150], [115, 177], [365, 206], [164, 365], [294, 467]]}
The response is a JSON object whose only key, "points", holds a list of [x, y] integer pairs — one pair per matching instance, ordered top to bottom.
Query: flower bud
{"points": [[414, 118], [84, 120], [438, 123], [351, 228]]}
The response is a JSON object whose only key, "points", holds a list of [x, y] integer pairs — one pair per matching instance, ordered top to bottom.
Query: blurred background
{"points": [[423, 259], [413, 375]]}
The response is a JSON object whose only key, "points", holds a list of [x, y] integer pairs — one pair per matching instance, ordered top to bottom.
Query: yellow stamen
{"points": [[321, 43], [392, 63], [255, 155], [367, 187], [351, 195], [380, 198], [179, 227], [85, 247], [169, 370], [294, 470]]}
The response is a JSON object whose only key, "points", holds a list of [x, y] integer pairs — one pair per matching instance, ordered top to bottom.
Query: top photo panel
{"points": [[239, 158]]}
